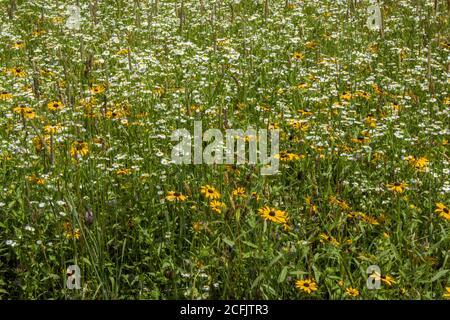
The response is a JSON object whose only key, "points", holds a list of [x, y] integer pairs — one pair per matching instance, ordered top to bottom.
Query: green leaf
{"points": [[228, 242], [250, 244], [86, 260], [275, 260], [283, 275], [439, 275], [257, 280]]}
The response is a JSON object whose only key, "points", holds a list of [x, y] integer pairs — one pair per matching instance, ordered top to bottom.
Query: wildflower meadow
{"points": [[225, 149]]}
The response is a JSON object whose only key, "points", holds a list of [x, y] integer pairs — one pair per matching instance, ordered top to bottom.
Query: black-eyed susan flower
{"points": [[19, 44], [310, 44], [122, 52], [298, 56], [17, 72], [302, 85], [98, 89], [377, 89], [159, 91], [362, 94], [5, 95], [346, 96], [55, 105], [26, 112], [371, 122], [299, 125], [52, 129], [362, 139], [39, 143], [79, 148], [287, 156], [420, 164], [123, 171], [39, 181], [397, 187], [209, 192], [239, 192], [255, 195], [175, 196], [310, 204], [216, 206], [442, 210], [273, 214], [369, 219], [197, 226], [388, 280], [306, 285], [352, 292]]}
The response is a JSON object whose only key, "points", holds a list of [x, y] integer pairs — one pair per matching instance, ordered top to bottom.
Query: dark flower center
{"points": [[397, 184], [210, 191], [177, 194], [445, 210], [272, 213]]}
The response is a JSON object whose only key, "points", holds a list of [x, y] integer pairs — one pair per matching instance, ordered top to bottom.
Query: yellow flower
{"points": [[18, 44], [310, 44], [122, 52], [298, 56], [17, 72], [98, 89], [377, 89], [158, 91], [362, 94], [4, 95], [346, 96], [55, 105], [26, 112], [115, 114], [371, 122], [299, 125], [52, 129], [361, 139], [79, 148], [286, 156], [420, 164], [123, 172], [38, 181], [397, 187], [209, 192], [239, 193], [175, 196], [255, 196], [217, 206], [442, 210], [274, 215], [369, 219], [197, 226], [76, 234], [388, 280], [307, 285], [352, 292], [447, 293]]}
